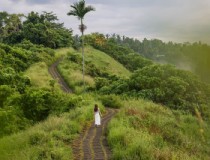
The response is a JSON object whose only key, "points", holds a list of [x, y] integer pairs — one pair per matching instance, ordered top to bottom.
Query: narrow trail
{"points": [[56, 75], [92, 143]]}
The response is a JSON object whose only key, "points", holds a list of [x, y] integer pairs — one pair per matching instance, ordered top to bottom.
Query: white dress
{"points": [[97, 118]]}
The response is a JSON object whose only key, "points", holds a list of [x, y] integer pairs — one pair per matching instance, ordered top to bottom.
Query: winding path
{"points": [[56, 75], [92, 143]]}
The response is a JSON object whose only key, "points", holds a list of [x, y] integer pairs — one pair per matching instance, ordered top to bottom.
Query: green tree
{"points": [[79, 9], [10, 27], [44, 29]]}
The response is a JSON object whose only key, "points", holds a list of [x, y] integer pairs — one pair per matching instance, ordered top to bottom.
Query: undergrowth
{"points": [[144, 130], [51, 138]]}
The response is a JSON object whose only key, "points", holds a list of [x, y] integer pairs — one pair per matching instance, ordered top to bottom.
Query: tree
{"points": [[79, 9], [10, 27], [44, 29]]}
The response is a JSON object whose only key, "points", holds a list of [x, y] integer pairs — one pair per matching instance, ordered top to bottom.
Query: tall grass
{"points": [[62, 52], [106, 63], [38, 72], [72, 72], [39, 75], [73, 76], [144, 130], [50, 139]]}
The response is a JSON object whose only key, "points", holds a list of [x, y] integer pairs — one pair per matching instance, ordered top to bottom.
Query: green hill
{"points": [[102, 61], [95, 62], [163, 113], [51, 119], [144, 130]]}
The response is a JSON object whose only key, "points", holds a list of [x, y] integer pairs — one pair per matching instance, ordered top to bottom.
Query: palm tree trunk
{"points": [[83, 58]]}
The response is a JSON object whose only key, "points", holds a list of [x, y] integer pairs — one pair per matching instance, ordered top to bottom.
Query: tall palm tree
{"points": [[79, 9]]}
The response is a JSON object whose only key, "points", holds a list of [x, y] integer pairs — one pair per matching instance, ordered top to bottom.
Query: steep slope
{"points": [[103, 61], [96, 62], [144, 130]]}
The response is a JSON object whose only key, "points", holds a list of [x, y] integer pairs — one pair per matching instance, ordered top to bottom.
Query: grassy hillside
{"points": [[95, 60], [102, 61], [38, 72], [39, 75], [141, 129], [144, 130], [51, 138]]}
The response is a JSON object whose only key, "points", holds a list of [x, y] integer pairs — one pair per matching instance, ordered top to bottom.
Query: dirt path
{"points": [[56, 75], [92, 143]]}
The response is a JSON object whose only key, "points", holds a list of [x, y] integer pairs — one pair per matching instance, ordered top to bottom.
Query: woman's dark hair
{"points": [[96, 108]]}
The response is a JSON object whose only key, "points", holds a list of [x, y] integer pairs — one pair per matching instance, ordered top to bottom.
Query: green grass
{"points": [[62, 52], [106, 63], [38, 72], [72, 72], [39, 75], [73, 76], [141, 130], [144, 130], [50, 139]]}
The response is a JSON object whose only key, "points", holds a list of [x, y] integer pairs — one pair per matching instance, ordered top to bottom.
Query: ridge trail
{"points": [[92, 143]]}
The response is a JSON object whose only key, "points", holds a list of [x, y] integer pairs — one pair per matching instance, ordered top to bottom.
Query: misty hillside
{"points": [[194, 57]]}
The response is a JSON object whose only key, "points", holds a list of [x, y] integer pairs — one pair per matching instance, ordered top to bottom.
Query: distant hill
{"points": [[194, 57]]}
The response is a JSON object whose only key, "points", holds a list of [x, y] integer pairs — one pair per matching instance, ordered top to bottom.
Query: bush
{"points": [[75, 57], [111, 101], [36, 104], [12, 121], [38, 138]]}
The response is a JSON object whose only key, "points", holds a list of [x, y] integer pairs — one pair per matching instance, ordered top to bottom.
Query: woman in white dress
{"points": [[97, 115]]}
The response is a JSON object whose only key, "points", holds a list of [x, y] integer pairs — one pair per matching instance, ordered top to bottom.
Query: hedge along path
{"points": [[92, 143]]}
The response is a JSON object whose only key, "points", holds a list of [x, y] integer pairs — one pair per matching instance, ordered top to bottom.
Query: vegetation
{"points": [[79, 9], [37, 28], [122, 54], [193, 57], [97, 64], [39, 75], [163, 84], [21, 104], [39, 121], [144, 130], [51, 138]]}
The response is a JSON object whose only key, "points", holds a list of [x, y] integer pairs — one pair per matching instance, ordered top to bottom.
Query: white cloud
{"points": [[177, 20]]}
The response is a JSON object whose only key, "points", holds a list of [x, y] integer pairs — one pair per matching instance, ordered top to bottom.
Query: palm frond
{"points": [[79, 9], [88, 9], [72, 13]]}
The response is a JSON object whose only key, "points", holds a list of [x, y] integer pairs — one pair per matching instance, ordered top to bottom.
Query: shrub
{"points": [[75, 57], [112, 101], [36, 104], [12, 121], [38, 138]]}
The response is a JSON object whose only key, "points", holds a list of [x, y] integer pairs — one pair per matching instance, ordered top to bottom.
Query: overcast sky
{"points": [[168, 20]]}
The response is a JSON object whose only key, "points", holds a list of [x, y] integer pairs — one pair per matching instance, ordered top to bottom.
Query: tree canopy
{"points": [[37, 28]]}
